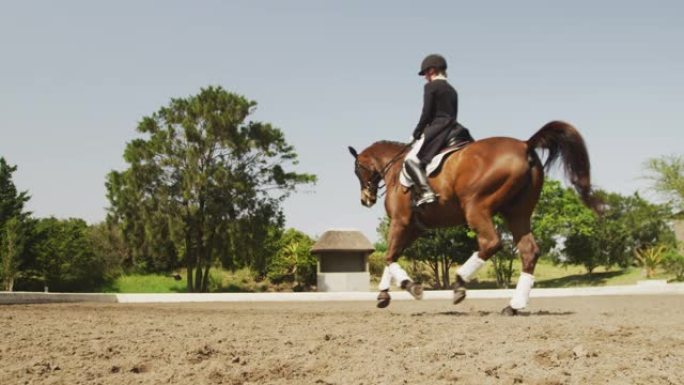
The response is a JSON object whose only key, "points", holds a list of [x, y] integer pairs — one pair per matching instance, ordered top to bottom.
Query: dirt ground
{"points": [[589, 340]]}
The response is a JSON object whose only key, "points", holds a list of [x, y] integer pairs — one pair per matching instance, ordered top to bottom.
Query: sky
{"points": [[77, 76]]}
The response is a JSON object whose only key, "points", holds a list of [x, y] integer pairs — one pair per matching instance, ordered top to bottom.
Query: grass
{"points": [[546, 275], [549, 275], [221, 281], [147, 283]]}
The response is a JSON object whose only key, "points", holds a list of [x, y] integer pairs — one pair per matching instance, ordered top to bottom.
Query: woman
{"points": [[437, 123]]}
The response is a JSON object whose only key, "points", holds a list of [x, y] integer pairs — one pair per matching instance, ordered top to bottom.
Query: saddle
{"points": [[455, 142]]}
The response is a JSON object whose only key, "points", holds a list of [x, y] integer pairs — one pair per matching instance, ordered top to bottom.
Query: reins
{"points": [[376, 177]]}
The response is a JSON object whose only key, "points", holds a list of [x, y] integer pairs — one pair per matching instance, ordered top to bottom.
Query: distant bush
{"points": [[650, 258], [673, 262], [294, 263], [376, 264]]}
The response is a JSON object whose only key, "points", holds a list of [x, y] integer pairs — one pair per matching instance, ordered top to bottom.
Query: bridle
{"points": [[373, 183]]}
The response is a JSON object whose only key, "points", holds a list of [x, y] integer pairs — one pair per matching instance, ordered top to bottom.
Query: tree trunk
{"points": [[188, 261], [434, 265], [445, 272], [198, 275], [205, 280]]}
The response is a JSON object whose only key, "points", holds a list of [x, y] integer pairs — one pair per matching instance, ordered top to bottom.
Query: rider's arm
{"points": [[428, 111]]}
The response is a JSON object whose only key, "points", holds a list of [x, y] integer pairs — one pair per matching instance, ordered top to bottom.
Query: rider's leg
{"points": [[416, 171]]}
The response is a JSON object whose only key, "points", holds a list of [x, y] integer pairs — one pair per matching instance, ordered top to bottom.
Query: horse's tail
{"points": [[562, 140]]}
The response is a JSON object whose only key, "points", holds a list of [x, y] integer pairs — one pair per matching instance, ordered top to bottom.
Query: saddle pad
{"points": [[434, 165]]}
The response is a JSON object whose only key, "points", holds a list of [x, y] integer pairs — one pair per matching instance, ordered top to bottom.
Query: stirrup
{"points": [[426, 198]]}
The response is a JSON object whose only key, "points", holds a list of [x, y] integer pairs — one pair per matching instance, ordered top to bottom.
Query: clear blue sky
{"points": [[76, 77]]}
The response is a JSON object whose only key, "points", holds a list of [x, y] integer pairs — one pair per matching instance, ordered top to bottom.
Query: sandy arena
{"points": [[588, 340]]}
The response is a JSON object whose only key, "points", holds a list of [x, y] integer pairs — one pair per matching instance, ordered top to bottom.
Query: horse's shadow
{"points": [[480, 313]]}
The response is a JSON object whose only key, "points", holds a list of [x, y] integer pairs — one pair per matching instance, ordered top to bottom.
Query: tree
{"points": [[667, 176], [199, 178], [11, 201], [559, 212], [628, 224], [13, 225], [108, 247], [438, 248], [441, 248], [12, 252], [63, 256], [673, 261], [294, 262], [502, 262]]}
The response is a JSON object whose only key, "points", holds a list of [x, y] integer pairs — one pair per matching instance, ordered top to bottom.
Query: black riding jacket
{"points": [[440, 105]]}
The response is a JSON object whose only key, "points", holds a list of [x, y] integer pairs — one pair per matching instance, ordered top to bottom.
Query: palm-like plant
{"points": [[650, 258]]}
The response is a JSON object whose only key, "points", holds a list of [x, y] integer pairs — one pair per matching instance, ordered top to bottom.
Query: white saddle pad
{"points": [[405, 179]]}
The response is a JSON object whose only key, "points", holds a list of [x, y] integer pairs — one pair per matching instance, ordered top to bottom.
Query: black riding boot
{"points": [[417, 174]]}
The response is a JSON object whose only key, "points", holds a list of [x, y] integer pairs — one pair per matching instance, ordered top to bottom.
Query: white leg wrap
{"points": [[468, 270], [398, 273], [386, 279], [522, 291]]}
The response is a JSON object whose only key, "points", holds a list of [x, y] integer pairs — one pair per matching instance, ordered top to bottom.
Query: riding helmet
{"points": [[433, 61]]}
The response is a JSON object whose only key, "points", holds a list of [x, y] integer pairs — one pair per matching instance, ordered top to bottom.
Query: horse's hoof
{"points": [[415, 289], [459, 290], [459, 295], [383, 300], [509, 311]]}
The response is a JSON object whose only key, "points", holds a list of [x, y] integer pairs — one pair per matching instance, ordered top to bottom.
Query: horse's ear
{"points": [[353, 152]]}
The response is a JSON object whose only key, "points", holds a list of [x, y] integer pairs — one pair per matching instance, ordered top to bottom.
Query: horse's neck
{"points": [[392, 173]]}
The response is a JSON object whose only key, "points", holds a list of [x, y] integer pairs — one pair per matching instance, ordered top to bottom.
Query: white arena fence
{"points": [[641, 288]]}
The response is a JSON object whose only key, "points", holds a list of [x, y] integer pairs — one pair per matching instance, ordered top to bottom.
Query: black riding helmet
{"points": [[432, 61]]}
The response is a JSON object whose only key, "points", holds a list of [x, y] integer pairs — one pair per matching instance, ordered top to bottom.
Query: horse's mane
{"points": [[386, 143]]}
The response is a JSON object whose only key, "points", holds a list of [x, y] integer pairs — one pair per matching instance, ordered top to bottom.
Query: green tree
{"points": [[667, 175], [199, 178], [11, 201], [558, 213], [628, 224], [13, 225], [109, 248], [440, 249], [12, 251], [63, 256], [673, 261], [294, 262]]}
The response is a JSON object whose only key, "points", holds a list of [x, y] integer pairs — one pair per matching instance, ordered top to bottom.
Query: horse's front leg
{"points": [[399, 237], [489, 243]]}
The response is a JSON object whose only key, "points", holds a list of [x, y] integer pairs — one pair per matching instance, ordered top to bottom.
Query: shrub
{"points": [[649, 258], [673, 261], [294, 262], [376, 264], [502, 265]]}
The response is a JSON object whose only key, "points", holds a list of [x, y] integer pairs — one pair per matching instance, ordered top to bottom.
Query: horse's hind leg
{"points": [[489, 243], [529, 253]]}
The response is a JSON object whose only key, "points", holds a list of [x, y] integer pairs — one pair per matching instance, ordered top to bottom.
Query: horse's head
{"points": [[369, 177]]}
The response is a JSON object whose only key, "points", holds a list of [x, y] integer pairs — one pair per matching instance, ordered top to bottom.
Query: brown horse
{"points": [[491, 176]]}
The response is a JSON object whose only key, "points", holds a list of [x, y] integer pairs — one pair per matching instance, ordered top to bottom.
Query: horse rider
{"points": [[437, 124]]}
